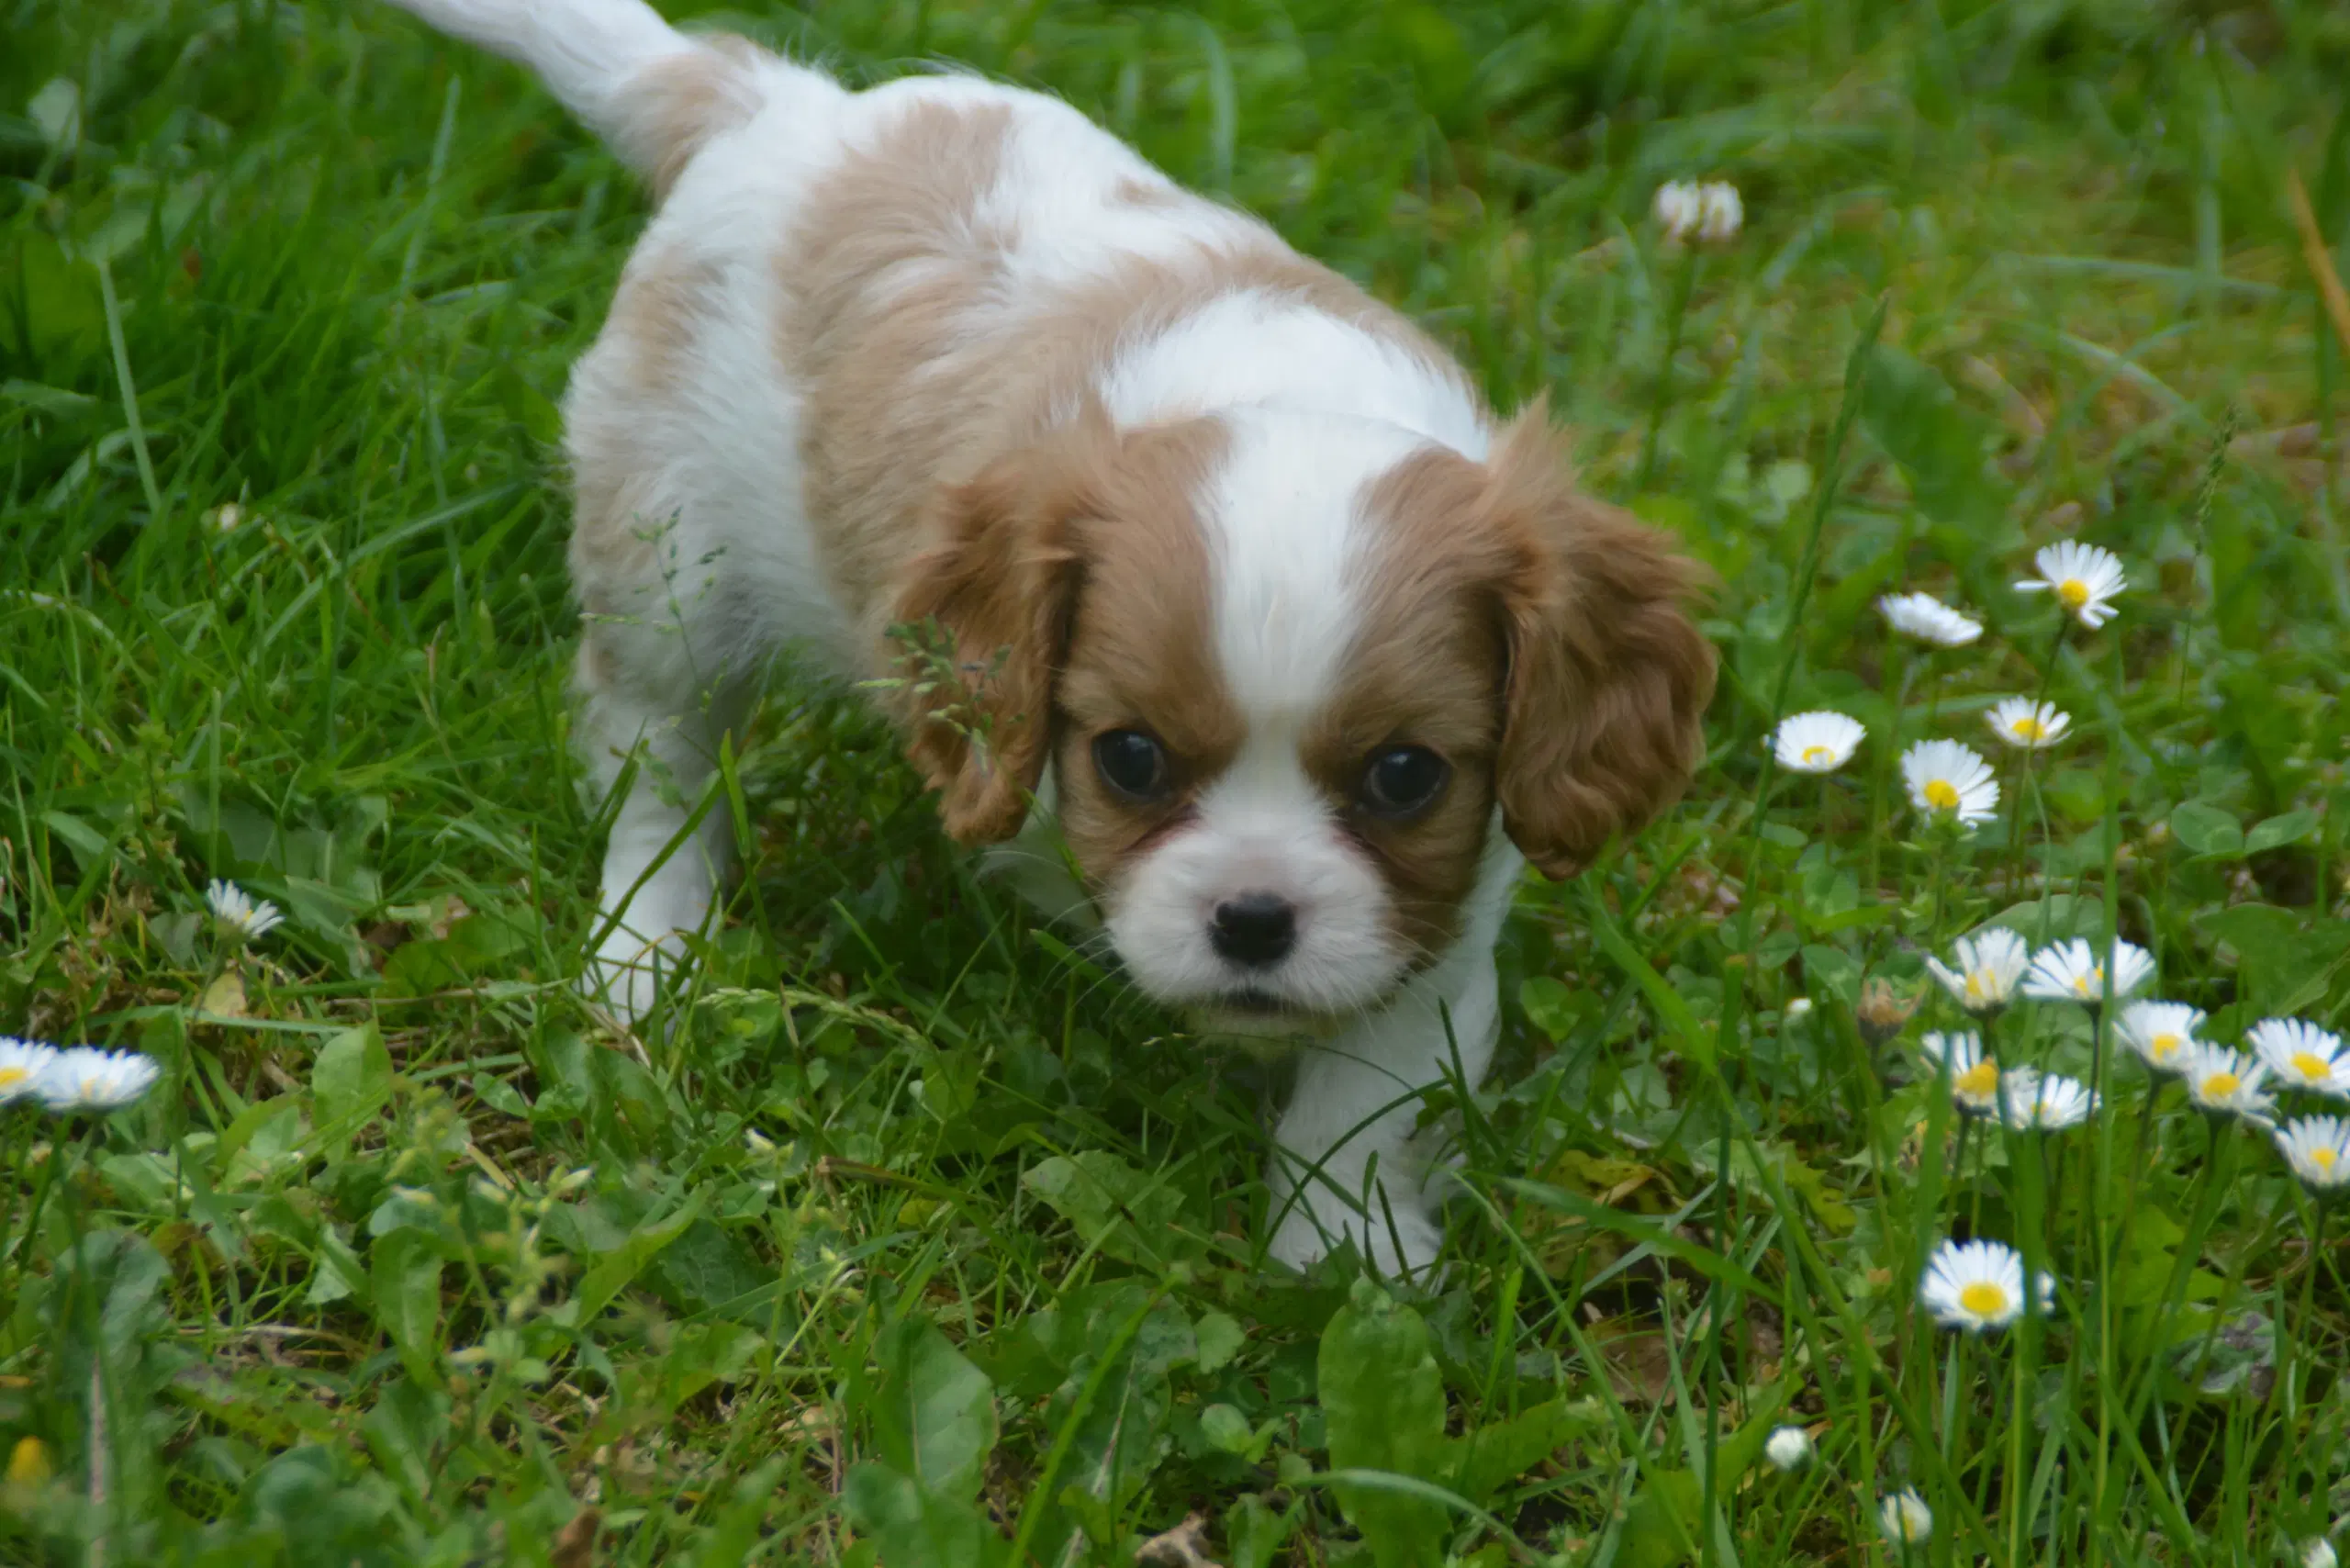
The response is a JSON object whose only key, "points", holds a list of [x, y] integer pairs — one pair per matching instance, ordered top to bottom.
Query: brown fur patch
{"points": [[680, 101], [664, 298], [1073, 583], [1537, 639], [1141, 648], [1425, 669], [1610, 678]]}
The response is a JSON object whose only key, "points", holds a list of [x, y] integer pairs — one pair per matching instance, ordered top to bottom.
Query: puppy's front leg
{"points": [[643, 697], [1348, 1166]]}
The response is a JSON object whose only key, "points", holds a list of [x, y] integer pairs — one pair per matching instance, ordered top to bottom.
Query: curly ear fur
{"points": [[1002, 584], [1608, 677]]}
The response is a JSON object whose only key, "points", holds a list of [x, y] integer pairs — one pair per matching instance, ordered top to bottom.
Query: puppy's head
{"points": [[1291, 670]]}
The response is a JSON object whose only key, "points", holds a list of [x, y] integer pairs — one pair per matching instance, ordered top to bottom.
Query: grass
{"points": [[917, 1234]]}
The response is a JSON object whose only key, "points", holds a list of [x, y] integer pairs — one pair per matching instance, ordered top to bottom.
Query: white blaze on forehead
{"points": [[1285, 531]]}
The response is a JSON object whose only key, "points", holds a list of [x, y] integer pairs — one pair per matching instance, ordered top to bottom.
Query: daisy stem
{"points": [[1684, 284], [2039, 696], [1882, 771], [1941, 865], [2141, 1155], [32, 1217], [2190, 1247], [1954, 1375], [2015, 1486]]}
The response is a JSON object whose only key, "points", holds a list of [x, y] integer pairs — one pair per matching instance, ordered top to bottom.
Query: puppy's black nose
{"points": [[1255, 929]]}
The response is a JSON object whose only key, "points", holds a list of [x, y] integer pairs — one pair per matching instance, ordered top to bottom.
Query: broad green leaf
{"points": [[1938, 443], [2206, 830], [2276, 832], [2056, 918], [2287, 960], [1831, 971], [1552, 1006], [350, 1081], [1125, 1213], [405, 1270], [611, 1274], [1219, 1338], [1383, 1409], [933, 1412], [1225, 1428], [1493, 1456], [915, 1527], [1660, 1528], [1253, 1532]]}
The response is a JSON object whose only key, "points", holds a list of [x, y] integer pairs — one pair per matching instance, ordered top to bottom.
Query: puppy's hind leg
{"points": [[646, 701]]}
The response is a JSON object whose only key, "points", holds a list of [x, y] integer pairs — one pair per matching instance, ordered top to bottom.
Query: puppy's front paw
{"points": [[626, 975], [1401, 1240]]}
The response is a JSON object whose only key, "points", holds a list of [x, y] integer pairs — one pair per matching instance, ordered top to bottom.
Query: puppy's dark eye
{"points": [[1131, 762], [1404, 781]]}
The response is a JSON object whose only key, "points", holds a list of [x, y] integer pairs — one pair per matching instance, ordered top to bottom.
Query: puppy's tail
{"points": [[651, 92]]}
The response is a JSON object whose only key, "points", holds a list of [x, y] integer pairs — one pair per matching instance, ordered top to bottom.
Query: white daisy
{"points": [[1679, 207], [1721, 213], [2083, 579], [1928, 618], [2028, 726], [1818, 741], [1944, 776], [237, 910], [1990, 962], [2069, 971], [1797, 1007], [2160, 1032], [2303, 1056], [21, 1064], [1974, 1076], [85, 1079], [2223, 1081], [2031, 1101], [2318, 1148], [1978, 1285], [1789, 1448], [1904, 1517]]}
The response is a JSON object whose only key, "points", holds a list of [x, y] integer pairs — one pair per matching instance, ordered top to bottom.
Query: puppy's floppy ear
{"points": [[1000, 579], [1608, 677]]}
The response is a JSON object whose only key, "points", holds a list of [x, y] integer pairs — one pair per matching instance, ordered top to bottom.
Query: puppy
{"points": [[1180, 562]]}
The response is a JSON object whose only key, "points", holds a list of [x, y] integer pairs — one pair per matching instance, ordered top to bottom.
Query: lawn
{"points": [[909, 1235]]}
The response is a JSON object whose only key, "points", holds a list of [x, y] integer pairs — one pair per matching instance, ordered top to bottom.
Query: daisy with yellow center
{"points": [[2084, 579], [1928, 618], [2028, 726], [1817, 742], [1948, 779], [239, 913], [1990, 962], [2071, 971], [2161, 1033], [2303, 1056], [21, 1065], [1974, 1076], [84, 1079], [2225, 1083], [2031, 1101], [2318, 1148], [1978, 1286], [1904, 1517]]}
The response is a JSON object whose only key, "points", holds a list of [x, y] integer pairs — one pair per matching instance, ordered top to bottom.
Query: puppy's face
{"points": [[1291, 672]]}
